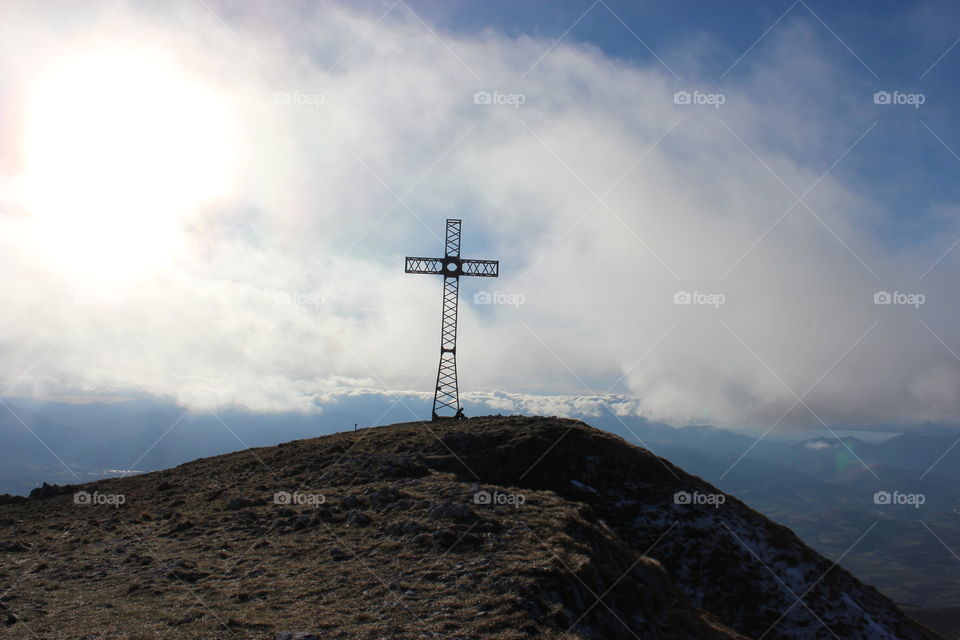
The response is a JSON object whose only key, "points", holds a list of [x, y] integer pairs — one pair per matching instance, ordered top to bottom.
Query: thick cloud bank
{"points": [[706, 256]]}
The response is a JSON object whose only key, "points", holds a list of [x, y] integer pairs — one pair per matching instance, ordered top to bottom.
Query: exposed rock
{"points": [[51, 490], [384, 496], [242, 503], [448, 511], [358, 519]]}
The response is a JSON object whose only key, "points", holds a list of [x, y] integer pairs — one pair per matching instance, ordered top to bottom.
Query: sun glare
{"points": [[118, 149]]}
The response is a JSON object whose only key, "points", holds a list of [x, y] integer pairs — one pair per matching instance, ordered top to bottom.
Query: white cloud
{"points": [[313, 219]]}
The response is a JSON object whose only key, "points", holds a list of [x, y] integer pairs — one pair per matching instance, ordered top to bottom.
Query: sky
{"points": [[742, 214]]}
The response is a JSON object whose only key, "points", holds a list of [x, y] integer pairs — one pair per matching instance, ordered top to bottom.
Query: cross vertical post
{"points": [[451, 266]]}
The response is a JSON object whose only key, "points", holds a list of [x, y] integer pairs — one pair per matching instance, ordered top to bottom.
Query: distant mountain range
{"points": [[58, 442], [825, 491]]}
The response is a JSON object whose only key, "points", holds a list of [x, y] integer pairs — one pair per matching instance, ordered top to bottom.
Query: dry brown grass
{"points": [[399, 548]]}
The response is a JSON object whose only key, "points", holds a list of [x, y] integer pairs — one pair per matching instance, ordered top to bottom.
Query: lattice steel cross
{"points": [[451, 266]]}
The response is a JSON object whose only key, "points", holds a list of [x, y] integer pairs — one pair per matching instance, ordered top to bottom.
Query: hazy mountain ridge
{"points": [[70, 443], [827, 494]]}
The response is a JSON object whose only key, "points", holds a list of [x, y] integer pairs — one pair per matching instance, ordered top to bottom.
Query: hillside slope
{"points": [[493, 527]]}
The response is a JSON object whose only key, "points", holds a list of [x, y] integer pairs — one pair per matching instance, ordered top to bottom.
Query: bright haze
{"points": [[741, 215]]}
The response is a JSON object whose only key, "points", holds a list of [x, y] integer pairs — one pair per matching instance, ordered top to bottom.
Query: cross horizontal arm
{"points": [[425, 265], [453, 267], [485, 268]]}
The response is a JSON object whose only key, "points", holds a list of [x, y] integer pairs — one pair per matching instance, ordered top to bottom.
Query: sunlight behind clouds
{"points": [[117, 148], [291, 159]]}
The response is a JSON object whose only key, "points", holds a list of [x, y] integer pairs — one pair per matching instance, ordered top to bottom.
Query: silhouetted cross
{"points": [[451, 266]]}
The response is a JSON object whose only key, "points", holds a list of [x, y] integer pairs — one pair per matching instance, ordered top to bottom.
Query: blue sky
{"points": [[885, 45]]}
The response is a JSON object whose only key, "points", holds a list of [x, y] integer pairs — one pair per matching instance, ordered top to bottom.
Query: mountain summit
{"points": [[496, 527]]}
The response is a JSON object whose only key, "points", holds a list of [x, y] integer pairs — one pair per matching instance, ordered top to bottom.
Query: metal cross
{"points": [[451, 266]]}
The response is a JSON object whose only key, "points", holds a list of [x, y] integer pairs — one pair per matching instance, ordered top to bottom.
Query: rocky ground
{"points": [[493, 527]]}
